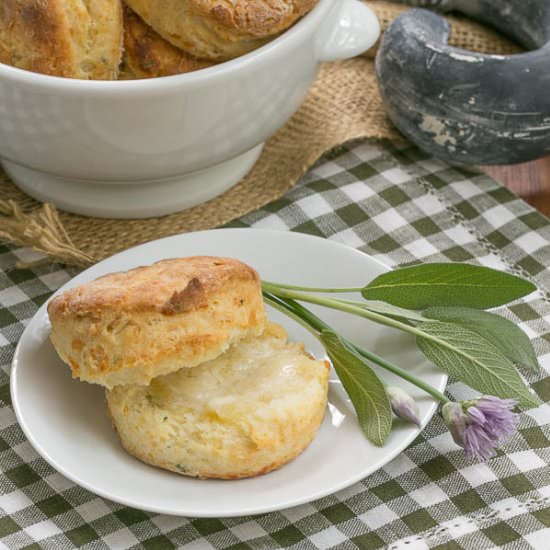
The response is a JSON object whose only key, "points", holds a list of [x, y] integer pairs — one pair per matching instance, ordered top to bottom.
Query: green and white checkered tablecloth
{"points": [[400, 206]]}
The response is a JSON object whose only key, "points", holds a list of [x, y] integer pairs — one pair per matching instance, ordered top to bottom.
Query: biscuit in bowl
{"points": [[217, 29], [75, 39], [148, 55], [127, 328], [246, 413]]}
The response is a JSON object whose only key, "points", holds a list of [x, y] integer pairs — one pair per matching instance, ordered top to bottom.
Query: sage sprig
{"points": [[442, 305]]}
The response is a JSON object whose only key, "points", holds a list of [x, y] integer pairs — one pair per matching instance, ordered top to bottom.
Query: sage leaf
{"points": [[446, 284], [497, 330], [470, 358], [365, 389]]}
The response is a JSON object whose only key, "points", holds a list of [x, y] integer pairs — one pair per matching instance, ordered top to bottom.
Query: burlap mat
{"points": [[343, 105]]}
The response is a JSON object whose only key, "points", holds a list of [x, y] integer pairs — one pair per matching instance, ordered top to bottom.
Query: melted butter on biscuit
{"points": [[258, 370], [245, 413]]}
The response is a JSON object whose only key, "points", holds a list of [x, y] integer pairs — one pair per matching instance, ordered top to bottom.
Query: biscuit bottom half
{"points": [[245, 413]]}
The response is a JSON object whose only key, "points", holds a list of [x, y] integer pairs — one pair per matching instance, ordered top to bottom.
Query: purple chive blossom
{"points": [[403, 405], [481, 425]]}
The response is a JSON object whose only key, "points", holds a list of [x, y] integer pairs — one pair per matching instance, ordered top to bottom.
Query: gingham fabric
{"points": [[401, 207]]}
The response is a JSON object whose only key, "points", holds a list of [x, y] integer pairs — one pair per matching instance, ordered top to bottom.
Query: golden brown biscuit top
{"points": [[253, 17], [169, 287]]}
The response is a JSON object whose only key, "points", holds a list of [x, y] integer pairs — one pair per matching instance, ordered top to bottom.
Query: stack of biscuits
{"points": [[109, 40], [197, 380]]}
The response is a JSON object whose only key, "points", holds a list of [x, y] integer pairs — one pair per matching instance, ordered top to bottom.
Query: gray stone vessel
{"points": [[465, 107]]}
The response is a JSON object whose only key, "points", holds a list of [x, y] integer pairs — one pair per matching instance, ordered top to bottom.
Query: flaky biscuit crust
{"points": [[220, 29], [69, 38], [148, 55], [127, 328], [240, 430]]}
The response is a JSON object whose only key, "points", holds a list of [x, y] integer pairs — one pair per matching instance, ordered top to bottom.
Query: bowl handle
{"points": [[349, 30]]}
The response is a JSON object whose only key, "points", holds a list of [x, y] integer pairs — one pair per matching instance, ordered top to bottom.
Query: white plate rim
{"points": [[226, 514]]}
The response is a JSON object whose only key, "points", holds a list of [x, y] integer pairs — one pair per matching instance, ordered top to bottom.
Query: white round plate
{"points": [[66, 420]]}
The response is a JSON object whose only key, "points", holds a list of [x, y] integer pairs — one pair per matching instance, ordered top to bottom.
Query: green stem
{"points": [[313, 288], [273, 302], [366, 304], [342, 306], [296, 310], [402, 314], [304, 316], [400, 372]]}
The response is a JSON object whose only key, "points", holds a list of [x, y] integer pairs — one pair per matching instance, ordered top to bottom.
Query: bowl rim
{"points": [[63, 84]]}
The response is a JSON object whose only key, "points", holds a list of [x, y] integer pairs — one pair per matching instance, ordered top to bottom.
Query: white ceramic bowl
{"points": [[150, 147]]}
